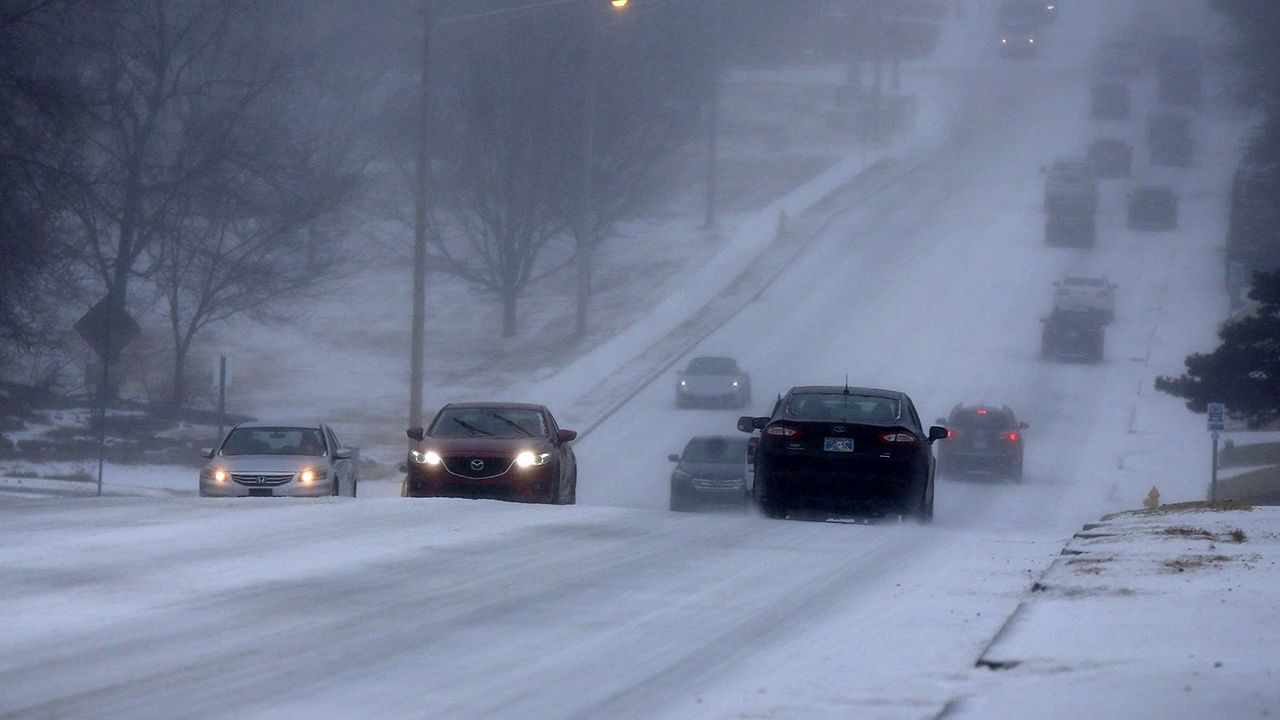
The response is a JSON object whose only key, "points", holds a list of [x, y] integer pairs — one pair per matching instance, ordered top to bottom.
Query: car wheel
{"points": [[1015, 471], [337, 485], [355, 485], [573, 489]]}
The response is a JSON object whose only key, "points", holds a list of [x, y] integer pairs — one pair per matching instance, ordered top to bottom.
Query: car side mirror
{"points": [[747, 424], [1023, 426], [937, 432], [416, 433], [565, 436], [206, 452], [342, 454], [674, 458], [403, 468]]}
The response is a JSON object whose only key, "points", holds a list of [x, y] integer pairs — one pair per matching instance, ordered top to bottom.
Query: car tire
{"points": [[1014, 472], [337, 485], [355, 486], [573, 489]]}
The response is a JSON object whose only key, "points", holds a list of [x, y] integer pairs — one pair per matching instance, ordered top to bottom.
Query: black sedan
{"points": [[983, 439], [844, 451], [710, 472]]}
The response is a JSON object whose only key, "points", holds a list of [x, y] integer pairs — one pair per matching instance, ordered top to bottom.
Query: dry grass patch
{"points": [[1199, 505]]}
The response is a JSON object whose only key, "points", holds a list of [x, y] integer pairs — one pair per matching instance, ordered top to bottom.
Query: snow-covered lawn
{"points": [[1171, 613]]}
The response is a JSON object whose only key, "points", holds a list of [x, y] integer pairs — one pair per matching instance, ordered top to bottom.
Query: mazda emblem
{"points": [[477, 464]]}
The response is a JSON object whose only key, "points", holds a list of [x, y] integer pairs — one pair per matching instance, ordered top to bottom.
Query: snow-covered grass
{"points": [[1168, 613]]}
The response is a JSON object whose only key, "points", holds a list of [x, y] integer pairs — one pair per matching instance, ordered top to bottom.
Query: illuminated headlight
{"points": [[1031, 40], [1004, 41], [684, 383], [736, 383], [430, 457], [528, 459], [218, 475], [309, 476]]}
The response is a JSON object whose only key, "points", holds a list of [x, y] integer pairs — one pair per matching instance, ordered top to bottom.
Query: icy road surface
{"points": [[144, 608]]}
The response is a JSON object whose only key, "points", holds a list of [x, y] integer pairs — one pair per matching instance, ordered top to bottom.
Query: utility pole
{"points": [[713, 113], [422, 181], [586, 189]]}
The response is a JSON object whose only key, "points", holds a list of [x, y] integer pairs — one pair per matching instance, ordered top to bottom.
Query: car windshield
{"points": [[712, 366], [839, 407], [975, 420], [496, 422], [274, 441], [715, 450]]}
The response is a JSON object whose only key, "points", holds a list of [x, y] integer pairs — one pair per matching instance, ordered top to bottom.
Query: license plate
{"points": [[837, 444], [260, 492]]}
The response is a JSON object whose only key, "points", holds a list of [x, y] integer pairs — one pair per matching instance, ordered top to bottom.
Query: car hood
{"points": [[484, 447], [269, 463], [714, 471]]}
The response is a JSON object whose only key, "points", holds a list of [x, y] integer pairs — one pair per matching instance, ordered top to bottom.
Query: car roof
{"points": [[840, 389], [494, 406]]}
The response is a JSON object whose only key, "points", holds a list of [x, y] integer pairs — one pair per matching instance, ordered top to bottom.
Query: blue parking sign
{"points": [[1217, 413]]}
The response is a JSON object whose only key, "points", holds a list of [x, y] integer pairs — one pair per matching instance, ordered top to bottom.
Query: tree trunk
{"points": [[509, 301], [178, 393]]}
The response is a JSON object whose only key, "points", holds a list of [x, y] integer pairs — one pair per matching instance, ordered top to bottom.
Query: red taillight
{"points": [[982, 411], [783, 431], [951, 433], [1012, 436], [898, 438]]}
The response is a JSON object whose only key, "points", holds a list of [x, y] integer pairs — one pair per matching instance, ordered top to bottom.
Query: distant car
{"points": [[1021, 23], [1020, 42], [1120, 57], [1179, 78], [1110, 101], [1169, 140], [1111, 158], [1070, 186], [1154, 207], [1076, 229], [1077, 293], [1073, 336], [713, 381], [982, 438], [842, 450], [499, 451], [262, 459], [710, 471]]}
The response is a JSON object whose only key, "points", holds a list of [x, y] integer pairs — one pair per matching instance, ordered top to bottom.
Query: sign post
{"points": [[107, 328], [222, 396], [1216, 423]]}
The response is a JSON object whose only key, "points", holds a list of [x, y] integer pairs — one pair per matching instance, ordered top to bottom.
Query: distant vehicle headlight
{"points": [[684, 383], [736, 383], [430, 457], [529, 459]]}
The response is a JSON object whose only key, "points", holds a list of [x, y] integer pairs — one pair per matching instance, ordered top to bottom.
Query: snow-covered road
{"points": [[381, 607]]}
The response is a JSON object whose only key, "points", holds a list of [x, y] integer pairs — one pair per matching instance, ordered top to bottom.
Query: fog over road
{"points": [[615, 608]]}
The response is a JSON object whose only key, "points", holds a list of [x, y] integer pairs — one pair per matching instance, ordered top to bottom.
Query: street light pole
{"points": [[713, 115], [420, 204]]}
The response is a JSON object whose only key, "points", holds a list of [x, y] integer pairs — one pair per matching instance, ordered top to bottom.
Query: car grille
{"points": [[478, 468], [261, 479], [717, 484]]}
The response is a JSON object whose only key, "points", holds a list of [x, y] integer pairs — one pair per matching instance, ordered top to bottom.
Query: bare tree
{"points": [[36, 106]]}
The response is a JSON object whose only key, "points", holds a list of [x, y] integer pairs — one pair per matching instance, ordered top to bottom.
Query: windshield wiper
{"points": [[513, 424], [471, 428]]}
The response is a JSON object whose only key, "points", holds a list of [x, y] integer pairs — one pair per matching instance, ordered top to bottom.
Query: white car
{"points": [[1077, 293]]}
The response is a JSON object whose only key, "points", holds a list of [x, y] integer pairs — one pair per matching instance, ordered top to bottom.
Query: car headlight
{"points": [[684, 383], [736, 383], [429, 457], [529, 459], [216, 474], [311, 475], [681, 475]]}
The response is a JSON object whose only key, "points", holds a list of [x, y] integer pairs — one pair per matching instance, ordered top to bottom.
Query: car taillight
{"points": [[982, 411], [783, 431], [952, 433], [1012, 436], [898, 438]]}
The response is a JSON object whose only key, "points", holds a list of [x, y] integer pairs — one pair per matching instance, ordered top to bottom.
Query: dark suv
{"points": [[1073, 335], [983, 439], [844, 451], [710, 471]]}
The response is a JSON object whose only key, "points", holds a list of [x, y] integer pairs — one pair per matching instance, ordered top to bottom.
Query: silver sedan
{"points": [[271, 459]]}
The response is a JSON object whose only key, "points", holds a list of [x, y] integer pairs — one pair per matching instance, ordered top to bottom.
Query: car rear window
{"points": [[839, 407], [970, 419], [715, 450]]}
